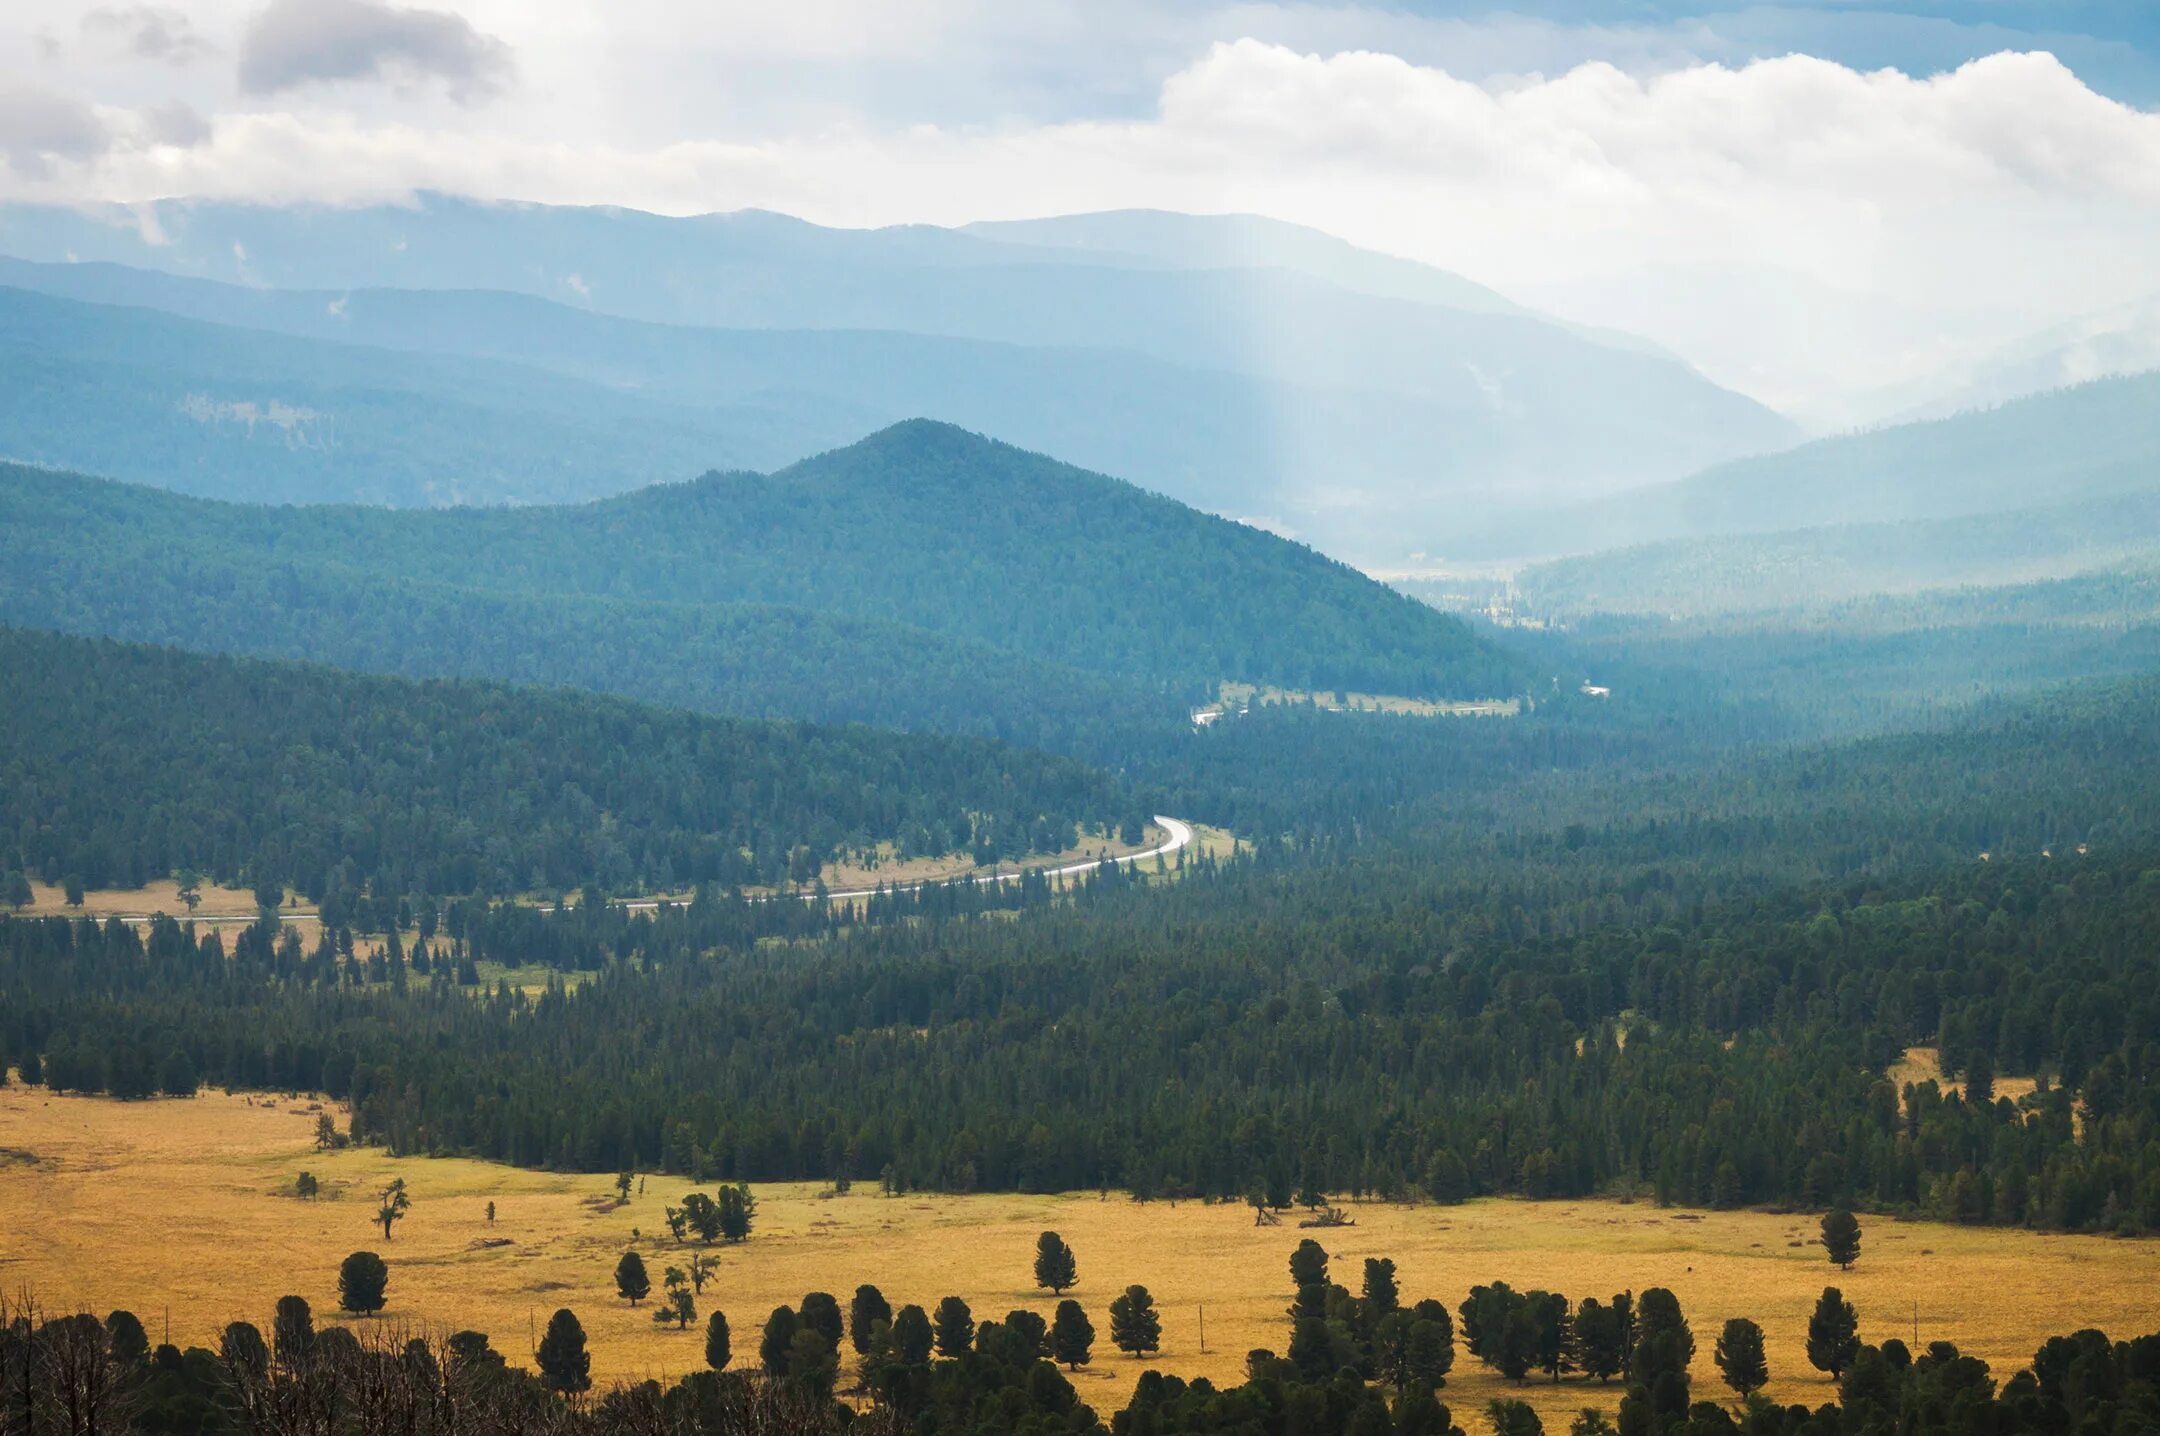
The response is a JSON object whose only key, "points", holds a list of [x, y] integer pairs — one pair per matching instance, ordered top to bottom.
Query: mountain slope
{"points": [[235, 413], [1385, 416], [2096, 441], [1809, 568], [126, 763]]}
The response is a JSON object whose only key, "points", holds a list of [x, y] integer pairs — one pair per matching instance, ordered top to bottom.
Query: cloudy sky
{"points": [[1799, 196]]}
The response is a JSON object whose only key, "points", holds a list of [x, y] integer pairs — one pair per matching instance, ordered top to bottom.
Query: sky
{"points": [[1808, 200]]}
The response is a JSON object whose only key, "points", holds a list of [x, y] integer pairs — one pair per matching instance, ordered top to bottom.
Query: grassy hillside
{"points": [[2100, 440], [922, 525], [126, 763]]}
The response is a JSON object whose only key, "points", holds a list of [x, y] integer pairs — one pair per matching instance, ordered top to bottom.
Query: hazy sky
{"points": [[1800, 196]]}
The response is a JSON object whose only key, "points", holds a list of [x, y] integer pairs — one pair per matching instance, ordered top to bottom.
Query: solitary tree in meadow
{"points": [[305, 1185], [622, 1185], [391, 1205], [1841, 1237], [1055, 1266], [701, 1270], [631, 1278], [363, 1280], [679, 1305], [1135, 1326], [718, 1353], [1740, 1356], [565, 1364]]}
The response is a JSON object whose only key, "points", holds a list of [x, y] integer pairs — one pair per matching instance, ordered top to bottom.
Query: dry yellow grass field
{"points": [[1234, 695], [49, 900], [1924, 1064], [177, 1209]]}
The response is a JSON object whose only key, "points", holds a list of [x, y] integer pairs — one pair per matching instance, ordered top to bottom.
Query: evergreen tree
{"points": [[737, 1208], [1841, 1237], [1308, 1264], [1055, 1267], [631, 1278], [363, 1280], [1380, 1291], [865, 1311], [821, 1313], [1135, 1326], [955, 1327], [292, 1329], [1833, 1333], [1072, 1335], [913, 1338], [778, 1341], [717, 1351], [1740, 1356], [565, 1365]]}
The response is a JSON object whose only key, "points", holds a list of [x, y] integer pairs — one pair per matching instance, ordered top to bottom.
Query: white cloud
{"points": [[301, 42], [2005, 187]]}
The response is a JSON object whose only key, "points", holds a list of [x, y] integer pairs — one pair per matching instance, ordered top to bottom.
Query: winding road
{"points": [[1180, 834]]}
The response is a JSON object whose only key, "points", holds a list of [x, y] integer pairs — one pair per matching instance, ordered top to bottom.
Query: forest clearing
{"points": [[184, 1211]]}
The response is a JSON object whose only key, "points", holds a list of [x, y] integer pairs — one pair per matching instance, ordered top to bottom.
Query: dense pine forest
{"points": [[924, 577], [126, 764], [1688, 983]]}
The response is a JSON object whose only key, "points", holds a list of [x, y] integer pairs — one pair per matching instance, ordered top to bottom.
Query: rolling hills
{"points": [[1358, 401], [2096, 441], [923, 578]]}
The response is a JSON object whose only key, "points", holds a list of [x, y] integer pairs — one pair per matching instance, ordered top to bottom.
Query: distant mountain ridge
{"points": [[1358, 417], [2096, 441]]}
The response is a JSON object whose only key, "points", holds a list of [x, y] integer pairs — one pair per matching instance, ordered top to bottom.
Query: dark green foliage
{"points": [[299, 774], [1841, 1238], [1308, 1264], [1055, 1266], [631, 1278], [363, 1281], [866, 1309], [821, 1314], [1135, 1325], [955, 1327], [292, 1329], [1833, 1333], [1072, 1335], [913, 1337], [778, 1340], [718, 1351], [1740, 1358], [565, 1365]]}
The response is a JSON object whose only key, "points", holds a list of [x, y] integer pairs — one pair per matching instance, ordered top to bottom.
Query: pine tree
{"points": [[1841, 1237], [1308, 1264], [1055, 1267], [631, 1278], [362, 1281], [867, 1309], [821, 1314], [1135, 1326], [955, 1327], [1833, 1333], [1072, 1335], [913, 1339], [778, 1341], [717, 1351], [1740, 1356], [565, 1365]]}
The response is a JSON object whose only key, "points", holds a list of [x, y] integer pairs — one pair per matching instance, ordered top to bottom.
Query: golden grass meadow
{"points": [[180, 1209]]}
